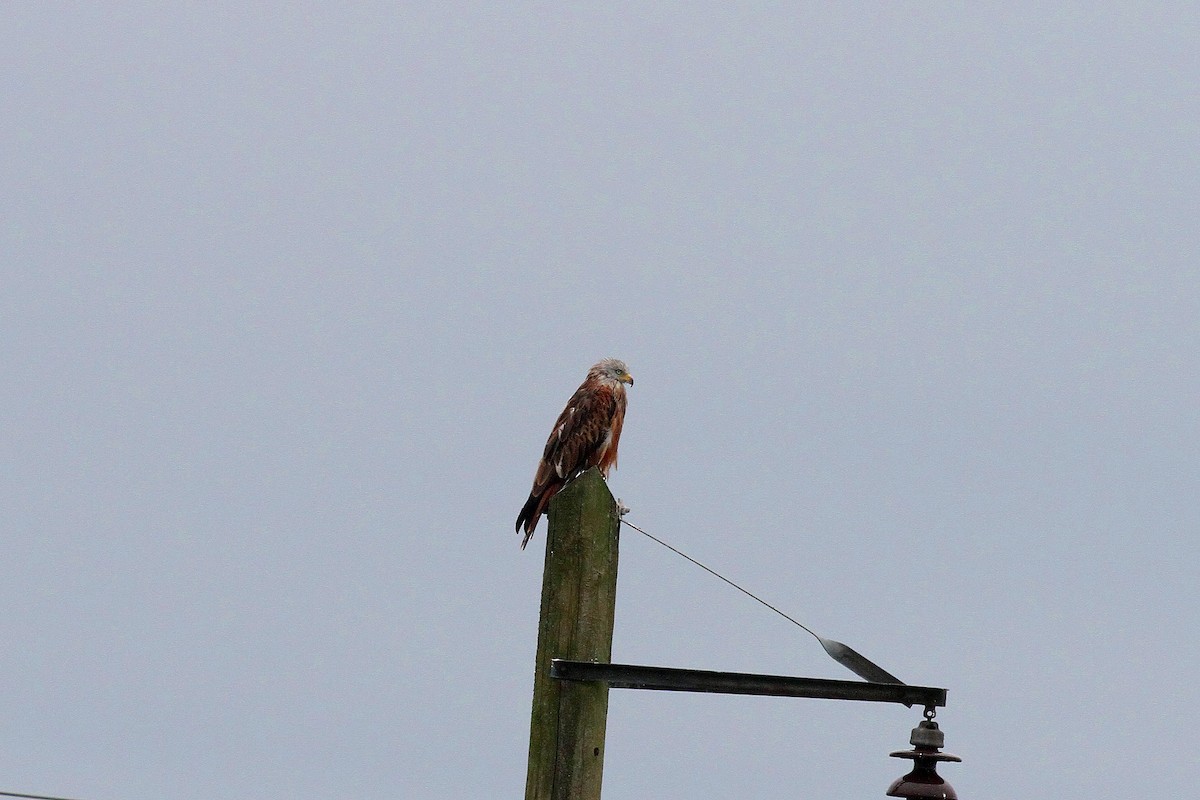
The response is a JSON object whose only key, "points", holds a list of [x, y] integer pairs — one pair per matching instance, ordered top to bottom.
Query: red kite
{"points": [[585, 435]]}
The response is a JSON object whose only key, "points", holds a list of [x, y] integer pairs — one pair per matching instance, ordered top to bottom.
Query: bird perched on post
{"points": [[585, 435]]}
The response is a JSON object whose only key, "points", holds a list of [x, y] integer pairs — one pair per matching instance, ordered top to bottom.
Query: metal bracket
{"points": [[631, 676]]}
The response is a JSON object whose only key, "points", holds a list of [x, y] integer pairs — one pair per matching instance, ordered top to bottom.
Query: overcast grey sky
{"points": [[292, 295]]}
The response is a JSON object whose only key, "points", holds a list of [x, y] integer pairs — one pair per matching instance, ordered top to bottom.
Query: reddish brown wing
{"points": [[580, 432]]}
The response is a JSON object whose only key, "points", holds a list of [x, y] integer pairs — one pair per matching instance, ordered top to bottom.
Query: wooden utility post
{"points": [[579, 594]]}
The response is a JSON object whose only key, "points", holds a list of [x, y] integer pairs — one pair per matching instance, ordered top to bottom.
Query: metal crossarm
{"points": [[632, 676]]}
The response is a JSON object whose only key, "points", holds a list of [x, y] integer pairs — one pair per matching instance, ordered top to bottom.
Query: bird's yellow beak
{"points": [[628, 379]]}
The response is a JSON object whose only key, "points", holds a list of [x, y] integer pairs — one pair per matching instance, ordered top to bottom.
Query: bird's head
{"points": [[611, 369]]}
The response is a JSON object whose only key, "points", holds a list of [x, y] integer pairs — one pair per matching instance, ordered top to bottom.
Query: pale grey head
{"points": [[611, 370]]}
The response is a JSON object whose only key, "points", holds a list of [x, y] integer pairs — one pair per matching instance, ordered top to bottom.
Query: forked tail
{"points": [[528, 518]]}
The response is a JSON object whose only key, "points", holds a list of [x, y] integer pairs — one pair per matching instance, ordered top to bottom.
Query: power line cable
{"points": [[713, 572], [32, 796]]}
